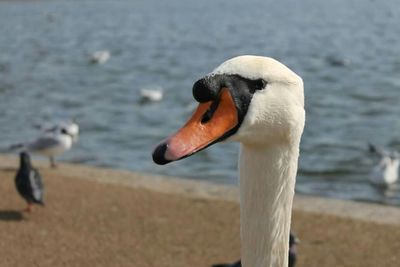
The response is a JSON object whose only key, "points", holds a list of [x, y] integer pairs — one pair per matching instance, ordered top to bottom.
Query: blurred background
{"points": [[348, 53]]}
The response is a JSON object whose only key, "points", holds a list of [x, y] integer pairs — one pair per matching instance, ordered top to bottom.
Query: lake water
{"points": [[348, 53]]}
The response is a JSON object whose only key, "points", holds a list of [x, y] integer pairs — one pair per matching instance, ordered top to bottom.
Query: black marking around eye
{"points": [[257, 85], [241, 89]]}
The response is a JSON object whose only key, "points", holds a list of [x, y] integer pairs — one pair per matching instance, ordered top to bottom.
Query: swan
{"points": [[258, 102], [386, 172]]}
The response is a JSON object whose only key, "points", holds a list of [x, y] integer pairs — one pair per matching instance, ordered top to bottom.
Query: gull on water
{"points": [[100, 57], [151, 95], [50, 144], [385, 172]]}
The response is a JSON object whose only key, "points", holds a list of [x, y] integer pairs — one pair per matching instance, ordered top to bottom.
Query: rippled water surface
{"points": [[348, 53]]}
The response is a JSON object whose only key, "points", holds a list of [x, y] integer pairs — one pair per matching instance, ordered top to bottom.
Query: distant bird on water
{"points": [[100, 57], [336, 61], [150, 95], [50, 144], [386, 171], [29, 182], [293, 240]]}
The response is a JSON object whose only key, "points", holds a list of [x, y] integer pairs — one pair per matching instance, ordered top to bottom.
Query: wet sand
{"points": [[89, 222]]}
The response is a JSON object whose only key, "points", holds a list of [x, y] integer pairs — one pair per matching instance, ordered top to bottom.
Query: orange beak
{"points": [[207, 125]]}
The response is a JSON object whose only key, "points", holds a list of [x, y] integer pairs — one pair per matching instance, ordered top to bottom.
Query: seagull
{"points": [[100, 57], [150, 95], [50, 144], [385, 173], [28, 182], [293, 240]]}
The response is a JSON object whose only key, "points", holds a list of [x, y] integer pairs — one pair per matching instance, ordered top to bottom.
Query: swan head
{"points": [[250, 99]]}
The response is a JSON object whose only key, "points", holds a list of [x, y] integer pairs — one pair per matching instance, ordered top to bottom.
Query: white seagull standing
{"points": [[258, 102], [50, 144], [386, 172]]}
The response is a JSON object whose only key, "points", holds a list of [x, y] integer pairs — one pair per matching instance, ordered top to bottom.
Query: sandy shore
{"points": [[96, 217]]}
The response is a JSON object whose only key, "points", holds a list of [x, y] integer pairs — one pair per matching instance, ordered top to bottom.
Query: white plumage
{"points": [[100, 57], [151, 95], [70, 126], [270, 136], [54, 141], [386, 171]]}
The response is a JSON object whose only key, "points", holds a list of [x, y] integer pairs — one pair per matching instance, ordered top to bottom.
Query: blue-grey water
{"points": [[347, 51]]}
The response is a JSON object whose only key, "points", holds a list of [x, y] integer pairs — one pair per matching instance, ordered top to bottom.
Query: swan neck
{"points": [[267, 179]]}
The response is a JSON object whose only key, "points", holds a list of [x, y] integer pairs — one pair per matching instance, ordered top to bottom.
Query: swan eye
{"points": [[259, 84]]}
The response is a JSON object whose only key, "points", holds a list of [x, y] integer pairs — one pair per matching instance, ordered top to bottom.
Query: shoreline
{"points": [[371, 212], [103, 217]]}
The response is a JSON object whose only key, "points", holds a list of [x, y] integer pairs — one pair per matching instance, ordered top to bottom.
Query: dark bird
{"points": [[29, 182], [293, 240], [236, 264]]}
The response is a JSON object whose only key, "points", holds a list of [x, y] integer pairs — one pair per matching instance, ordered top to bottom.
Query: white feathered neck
{"points": [[270, 136]]}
